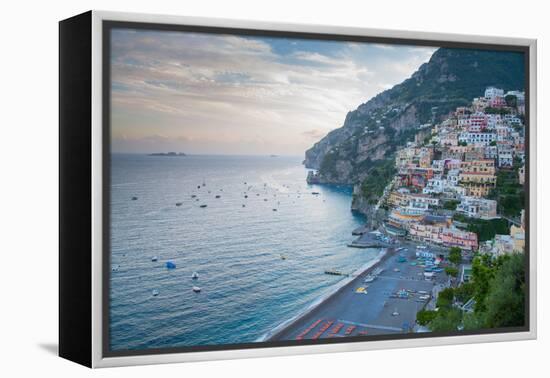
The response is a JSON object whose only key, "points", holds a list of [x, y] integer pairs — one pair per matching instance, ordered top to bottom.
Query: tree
{"points": [[511, 100], [462, 143], [493, 143], [451, 205], [487, 229], [455, 255], [451, 271], [483, 271], [498, 288], [464, 292], [445, 298], [505, 300], [424, 317], [446, 321]]}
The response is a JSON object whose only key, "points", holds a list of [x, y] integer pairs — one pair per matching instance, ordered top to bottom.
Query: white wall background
{"points": [[28, 190]]}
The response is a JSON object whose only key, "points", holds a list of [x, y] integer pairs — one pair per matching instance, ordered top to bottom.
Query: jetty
{"points": [[360, 231], [371, 240]]}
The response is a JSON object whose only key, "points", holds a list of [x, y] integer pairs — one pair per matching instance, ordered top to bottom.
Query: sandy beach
{"points": [[374, 308]]}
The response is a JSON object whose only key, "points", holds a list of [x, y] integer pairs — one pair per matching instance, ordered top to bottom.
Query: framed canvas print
{"points": [[234, 189]]}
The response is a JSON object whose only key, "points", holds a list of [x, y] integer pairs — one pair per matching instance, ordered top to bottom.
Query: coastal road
{"points": [[377, 310]]}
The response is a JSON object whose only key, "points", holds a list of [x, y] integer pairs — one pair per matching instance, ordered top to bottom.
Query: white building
{"points": [[492, 92], [511, 119], [493, 120], [503, 132], [483, 139], [491, 152], [505, 157], [453, 176], [435, 186], [478, 208]]}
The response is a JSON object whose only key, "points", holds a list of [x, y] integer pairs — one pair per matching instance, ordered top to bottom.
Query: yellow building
{"points": [[479, 166], [477, 178], [477, 190]]}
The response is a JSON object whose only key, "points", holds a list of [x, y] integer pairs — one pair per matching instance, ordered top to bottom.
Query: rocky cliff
{"points": [[371, 133]]}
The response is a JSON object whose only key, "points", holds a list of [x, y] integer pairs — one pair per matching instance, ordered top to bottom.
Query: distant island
{"points": [[167, 154]]}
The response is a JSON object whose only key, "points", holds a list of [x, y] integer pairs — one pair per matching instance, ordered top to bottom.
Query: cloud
{"points": [[237, 93]]}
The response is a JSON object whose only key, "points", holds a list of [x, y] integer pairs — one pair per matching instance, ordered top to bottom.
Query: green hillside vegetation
{"points": [[468, 73], [379, 175], [508, 192], [485, 229], [498, 288]]}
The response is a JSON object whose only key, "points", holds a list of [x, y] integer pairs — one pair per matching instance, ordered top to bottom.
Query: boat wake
{"points": [[273, 184]]}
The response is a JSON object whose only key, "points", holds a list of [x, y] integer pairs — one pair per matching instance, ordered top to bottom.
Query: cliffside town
{"points": [[462, 184]]}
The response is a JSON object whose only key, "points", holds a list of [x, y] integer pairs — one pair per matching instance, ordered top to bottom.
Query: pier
{"points": [[360, 231], [370, 240]]}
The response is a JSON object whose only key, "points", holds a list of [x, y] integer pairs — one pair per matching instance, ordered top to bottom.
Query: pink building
{"points": [[497, 102], [477, 123], [453, 237]]}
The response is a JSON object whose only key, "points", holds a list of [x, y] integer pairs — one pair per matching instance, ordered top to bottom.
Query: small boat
{"points": [[198, 186], [315, 193], [193, 195], [218, 196], [245, 196], [134, 198], [265, 199], [179, 203], [244, 205], [203, 206], [274, 209], [283, 257], [154, 258], [170, 265], [115, 268], [334, 272], [195, 276], [369, 278], [196, 289], [155, 293]]}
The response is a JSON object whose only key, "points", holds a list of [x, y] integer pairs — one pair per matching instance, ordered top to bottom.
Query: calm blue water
{"points": [[247, 289]]}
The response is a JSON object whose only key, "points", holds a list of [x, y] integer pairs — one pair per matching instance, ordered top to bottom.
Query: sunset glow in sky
{"points": [[226, 94]]}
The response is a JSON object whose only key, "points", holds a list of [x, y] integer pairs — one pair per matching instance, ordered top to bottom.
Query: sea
{"points": [[260, 260]]}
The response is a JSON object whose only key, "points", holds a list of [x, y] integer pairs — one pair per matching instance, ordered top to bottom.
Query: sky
{"points": [[204, 93]]}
